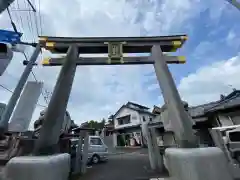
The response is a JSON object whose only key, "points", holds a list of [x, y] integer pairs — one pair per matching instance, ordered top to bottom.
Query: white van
{"points": [[97, 150]]}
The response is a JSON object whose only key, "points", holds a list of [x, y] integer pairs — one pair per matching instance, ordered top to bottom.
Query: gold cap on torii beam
{"points": [[46, 61]]}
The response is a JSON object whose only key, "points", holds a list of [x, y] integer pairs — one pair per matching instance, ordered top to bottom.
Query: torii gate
{"points": [[115, 47]]}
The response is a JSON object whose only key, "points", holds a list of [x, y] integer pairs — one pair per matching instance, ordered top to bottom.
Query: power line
{"points": [[32, 7], [35, 16], [40, 17], [21, 21], [29, 22], [13, 25], [31, 29], [37, 30], [35, 78], [6, 88], [9, 90], [44, 97]]}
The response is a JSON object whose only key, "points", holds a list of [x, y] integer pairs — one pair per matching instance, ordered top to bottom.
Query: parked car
{"points": [[97, 150]]}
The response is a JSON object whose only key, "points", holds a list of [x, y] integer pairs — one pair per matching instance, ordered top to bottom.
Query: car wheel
{"points": [[95, 159]]}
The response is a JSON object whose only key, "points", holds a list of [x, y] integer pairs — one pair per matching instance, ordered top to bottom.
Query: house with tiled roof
{"points": [[223, 112]]}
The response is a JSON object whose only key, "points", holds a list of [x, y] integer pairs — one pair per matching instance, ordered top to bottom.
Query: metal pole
{"points": [[17, 91], [180, 120], [47, 143]]}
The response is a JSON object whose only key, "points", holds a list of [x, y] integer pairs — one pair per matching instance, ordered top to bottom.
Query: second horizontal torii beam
{"points": [[105, 61]]}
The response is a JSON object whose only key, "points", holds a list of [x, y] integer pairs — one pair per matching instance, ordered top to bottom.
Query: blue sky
{"points": [[212, 50]]}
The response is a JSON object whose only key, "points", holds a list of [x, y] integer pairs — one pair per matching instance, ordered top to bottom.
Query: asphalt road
{"points": [[131, 165]]}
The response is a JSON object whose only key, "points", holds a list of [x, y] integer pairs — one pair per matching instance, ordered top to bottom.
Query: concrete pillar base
{"points": [[197, 164], [38, 167]]}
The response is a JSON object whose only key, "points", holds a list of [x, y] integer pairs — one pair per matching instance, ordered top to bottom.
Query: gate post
{"points": [[180, 121], [47, 143]]}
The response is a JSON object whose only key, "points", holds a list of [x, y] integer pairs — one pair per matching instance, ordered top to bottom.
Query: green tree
{"points": [[102, 123], [91, 124], [94, 124]]}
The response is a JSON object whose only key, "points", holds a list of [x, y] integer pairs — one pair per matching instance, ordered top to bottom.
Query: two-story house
{"points": [[127, 124]]}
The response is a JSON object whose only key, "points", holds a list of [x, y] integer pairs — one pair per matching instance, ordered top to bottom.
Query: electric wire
{"points": [[35, 78], [9, 90]]}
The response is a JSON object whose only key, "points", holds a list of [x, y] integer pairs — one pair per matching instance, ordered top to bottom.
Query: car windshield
{"points": [[75, 142]]}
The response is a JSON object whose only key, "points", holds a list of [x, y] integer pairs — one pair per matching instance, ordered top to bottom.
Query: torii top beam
{"points": [[94, 45]]}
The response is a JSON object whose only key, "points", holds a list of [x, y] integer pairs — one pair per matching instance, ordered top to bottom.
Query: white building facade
{"points": [[127, 124]]}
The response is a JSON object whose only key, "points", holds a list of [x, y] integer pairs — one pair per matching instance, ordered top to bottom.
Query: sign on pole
{"points": [[11, 37], [7, 40]]}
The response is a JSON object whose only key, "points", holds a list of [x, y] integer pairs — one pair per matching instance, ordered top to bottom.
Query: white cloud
{"points": [[232, 39], [208, 82], [99, 91]]}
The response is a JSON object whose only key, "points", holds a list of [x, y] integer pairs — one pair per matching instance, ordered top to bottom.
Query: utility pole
{"points": [[17, 91]]}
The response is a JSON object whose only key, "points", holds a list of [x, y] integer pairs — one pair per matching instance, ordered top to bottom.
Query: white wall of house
{"points": [[145, 117], [135, 119]]}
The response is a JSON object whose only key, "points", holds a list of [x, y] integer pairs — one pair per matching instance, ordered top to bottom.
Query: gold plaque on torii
{"points": [[115, 52]]}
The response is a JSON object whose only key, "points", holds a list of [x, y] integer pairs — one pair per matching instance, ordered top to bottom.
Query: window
{"points": [[144, 119], [150, 119], [124, 120], [120, 121], [234, 136], [96, 141]]}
